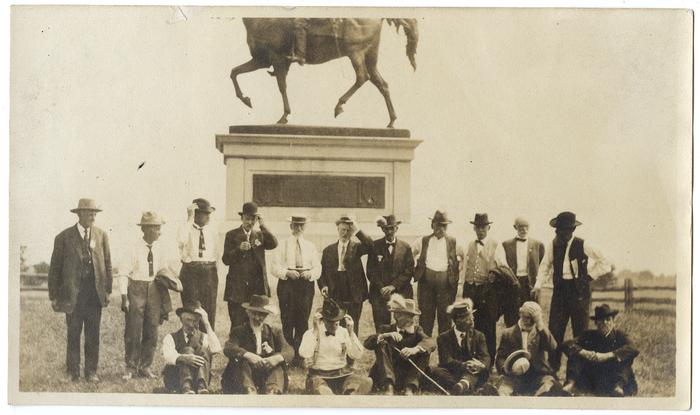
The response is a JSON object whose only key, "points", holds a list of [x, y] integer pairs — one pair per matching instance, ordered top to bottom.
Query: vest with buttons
{"points": [[575, 253], [478, 265], [452, 267], [195, 341]]}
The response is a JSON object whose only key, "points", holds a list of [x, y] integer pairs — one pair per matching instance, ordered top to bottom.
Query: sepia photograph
{"points": [[291, 207]]}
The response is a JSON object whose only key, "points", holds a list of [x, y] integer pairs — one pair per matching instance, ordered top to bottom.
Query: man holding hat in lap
{"points": [[395, 344], [326, 348], [188, 352], [257, 353], [522, 356], [600, 361]]}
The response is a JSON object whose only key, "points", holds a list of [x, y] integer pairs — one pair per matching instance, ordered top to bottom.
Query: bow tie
{"points": [[521, 239], [480, 242], [390, 243], [328, 333]]}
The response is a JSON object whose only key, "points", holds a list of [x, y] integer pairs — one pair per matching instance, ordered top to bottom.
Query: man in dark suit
{"points": [[244, 253], [523, 255], [389, 269], [342, 275], [80, 282], [258, 353], [464, 359], [600, 361]]}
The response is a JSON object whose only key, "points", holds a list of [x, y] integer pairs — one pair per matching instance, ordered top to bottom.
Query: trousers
{"points": [[200, 282], [435, 293], [296, 298], [567, 303], [487, 307], [86, 313], [142, 321], [390, 367], [240, 375], [352, 384]]}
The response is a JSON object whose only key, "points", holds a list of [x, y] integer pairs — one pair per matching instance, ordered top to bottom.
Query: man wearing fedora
{"points": [[198, 252], [244, 253], [523, 255], [571, 264], [297, 266], [480, 268], [389, 270], [437, 273], [342, 274], [80, 282], [143, 297], [395, 344], [327, 348], [188, 352], [257, 352], [522, 356], [464, 359], [600, 360]]}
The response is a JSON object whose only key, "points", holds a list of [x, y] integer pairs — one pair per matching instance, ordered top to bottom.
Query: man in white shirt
{"points": [[198, 253], [571, 265], [297, 266], [326, 348], [188, 352]]}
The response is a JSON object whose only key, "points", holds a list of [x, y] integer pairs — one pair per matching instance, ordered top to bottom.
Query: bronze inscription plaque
{"points": [[291, 190]]}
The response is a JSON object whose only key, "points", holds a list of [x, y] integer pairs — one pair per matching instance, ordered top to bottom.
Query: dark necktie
{"points": [[520, 239], [480, 242], [86, 246], [202, 247], [390, 247], [149, 258], [299, 261], [328, 333], [465, 342]]}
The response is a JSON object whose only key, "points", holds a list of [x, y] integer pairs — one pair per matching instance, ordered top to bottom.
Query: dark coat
{"points": [[535, 253], [246, 266], [67, 267], [353, 267], [395, 269], [418, 338], [242, 341], [538, 345], [452, 356]]}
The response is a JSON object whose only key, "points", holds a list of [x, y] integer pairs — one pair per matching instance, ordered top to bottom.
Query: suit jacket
{"points": [[535, 253], [246, 266], [67, 267], [353, 267], [395, 269], [418, 338], [242, 341], [616, 342], [539, 346], [452, 356]]}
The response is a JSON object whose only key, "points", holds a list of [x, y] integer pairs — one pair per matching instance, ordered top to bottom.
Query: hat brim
{"points": [[76, 210], [208, 210], [290, 220], [349, 222], [445, 222], [479, 223], [150, 224], [553, 224], [389, 225], [267, 309], [401, 310], [180, 311], [606, 315], [337, 317], [508, 364]]}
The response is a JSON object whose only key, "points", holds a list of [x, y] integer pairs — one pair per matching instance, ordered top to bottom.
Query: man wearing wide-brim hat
{"points": [[244, 253], [570, 264], [389, 270], [437, 273], [80, 282], [143, 297], [394, 344], [327, 347], [258, 353], [600, 360]]}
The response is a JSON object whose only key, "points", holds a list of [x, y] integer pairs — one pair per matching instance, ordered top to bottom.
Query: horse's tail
{"points": [[410, 29]]}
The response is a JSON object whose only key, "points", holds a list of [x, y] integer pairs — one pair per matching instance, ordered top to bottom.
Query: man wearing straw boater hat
{"points": [[197, 242], [244, 253], [571, 265], [297, 266], [389, 270], [437, 273], [342, 274], [80, 282], [143, 298], [396, 346], [327, 347], [188, 352], [258, 353], [522, 356], [464, 359], [600, 360]]}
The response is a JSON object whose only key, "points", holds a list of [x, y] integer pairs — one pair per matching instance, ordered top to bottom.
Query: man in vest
{"points": [[523, 255], [482, 257], [571, 265], [297, 266], [389, 270], [437, 273], [188, 351]]}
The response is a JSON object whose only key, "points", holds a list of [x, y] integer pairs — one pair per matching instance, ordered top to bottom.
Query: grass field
{"points": [[43, 342]]}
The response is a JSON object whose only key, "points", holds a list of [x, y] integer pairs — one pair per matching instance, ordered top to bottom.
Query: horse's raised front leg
{"points": [[249, 66], [281, 75], [361, 76], [376, 78]]}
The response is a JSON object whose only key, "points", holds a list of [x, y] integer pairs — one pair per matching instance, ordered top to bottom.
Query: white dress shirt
{"points": [[82, 231], [188, 243], [342, 246], [436, 257], [521, 257], [285, 258], [136, 264], [597, 264], [525, 334], [460, 335], [209, 342], [332, 350]]}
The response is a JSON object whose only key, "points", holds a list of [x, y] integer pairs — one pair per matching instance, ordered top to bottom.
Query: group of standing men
{"points": [[497, 279]]}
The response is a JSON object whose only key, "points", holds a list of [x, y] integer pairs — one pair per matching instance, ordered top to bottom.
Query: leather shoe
{"points": [[146, 373], [74, 377], [92, 378], [461, 387], [388, 389], [251, 391]]}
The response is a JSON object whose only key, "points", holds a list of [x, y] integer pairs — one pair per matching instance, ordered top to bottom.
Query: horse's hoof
{"points": [[247, 102], [338, 111]]}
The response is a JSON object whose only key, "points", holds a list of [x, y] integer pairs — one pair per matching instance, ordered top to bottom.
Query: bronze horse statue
{"points": [[271, 41]]}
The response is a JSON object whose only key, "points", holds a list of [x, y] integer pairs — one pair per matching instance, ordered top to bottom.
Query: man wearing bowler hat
{"points": [[197, 241], [244, 253], [523, 255], [571, 265], [297, 266], [389, 270], [437, 273], [342, 274], [80, 282], [600, 360]]}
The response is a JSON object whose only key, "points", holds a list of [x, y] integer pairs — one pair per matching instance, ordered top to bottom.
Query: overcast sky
{"points": [[522, 112]]}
